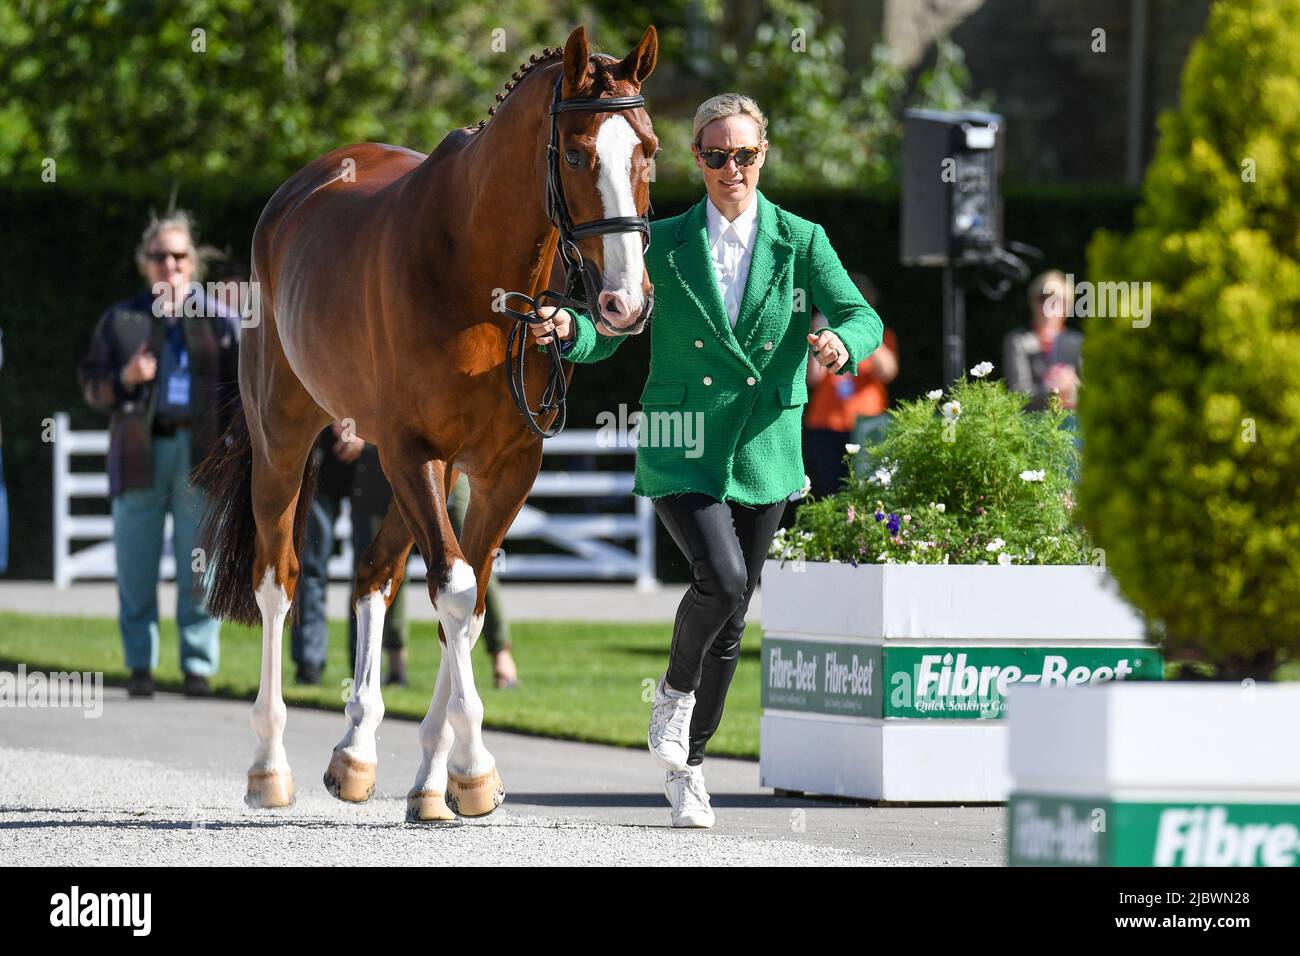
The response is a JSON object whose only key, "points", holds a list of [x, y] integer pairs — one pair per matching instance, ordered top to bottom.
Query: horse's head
{"points": [[606, 161]]}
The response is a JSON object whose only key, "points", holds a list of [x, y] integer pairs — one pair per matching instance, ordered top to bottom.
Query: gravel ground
{"points": [[161, 782]]}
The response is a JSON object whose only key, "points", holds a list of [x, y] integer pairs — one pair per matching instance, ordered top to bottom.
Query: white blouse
{"points": [[732, 245]]}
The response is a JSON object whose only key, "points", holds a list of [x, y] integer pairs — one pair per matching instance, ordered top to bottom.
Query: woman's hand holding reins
{"points": [[558, 323]]}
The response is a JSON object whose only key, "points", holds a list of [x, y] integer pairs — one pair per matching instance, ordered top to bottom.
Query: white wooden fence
{"points": [[83, 543]]}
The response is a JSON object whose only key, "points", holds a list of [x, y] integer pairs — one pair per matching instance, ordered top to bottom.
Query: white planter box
{"points": [[887, 682], [1156, 775]]}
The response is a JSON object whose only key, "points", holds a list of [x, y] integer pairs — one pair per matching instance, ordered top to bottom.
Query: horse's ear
{"points": [[576, 55], [640, 63]]}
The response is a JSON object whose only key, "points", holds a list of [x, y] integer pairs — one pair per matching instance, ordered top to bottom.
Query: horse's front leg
{"points": [[451, 734]]}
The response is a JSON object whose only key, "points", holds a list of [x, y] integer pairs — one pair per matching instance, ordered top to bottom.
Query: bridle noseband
{"points": [[581, 289]]}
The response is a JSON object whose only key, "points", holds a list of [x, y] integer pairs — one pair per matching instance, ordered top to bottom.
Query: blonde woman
{"points": [[736, 279]]}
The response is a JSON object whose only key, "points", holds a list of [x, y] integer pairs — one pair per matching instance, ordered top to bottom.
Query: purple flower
{"points": [[880, 516], [894, 524]]}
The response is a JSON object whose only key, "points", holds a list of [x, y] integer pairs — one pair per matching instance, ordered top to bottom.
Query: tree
{"points": [[211, 87], [828, 125], [1192, 424]]}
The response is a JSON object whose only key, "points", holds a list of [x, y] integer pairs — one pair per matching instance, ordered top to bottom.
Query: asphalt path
{"points": [[161, 781]]}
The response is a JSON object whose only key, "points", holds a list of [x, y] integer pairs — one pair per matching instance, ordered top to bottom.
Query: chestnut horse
{"points": [[380, 273]]}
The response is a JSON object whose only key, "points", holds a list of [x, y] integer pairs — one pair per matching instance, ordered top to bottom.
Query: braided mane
{"points": [[604, 79]]}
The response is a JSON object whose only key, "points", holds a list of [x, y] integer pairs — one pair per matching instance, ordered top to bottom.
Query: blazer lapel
{"points": [[692, 263], [768, 263]]}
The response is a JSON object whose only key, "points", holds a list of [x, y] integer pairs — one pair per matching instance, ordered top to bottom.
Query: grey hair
{"points": [[724, 105], [177, 219]]}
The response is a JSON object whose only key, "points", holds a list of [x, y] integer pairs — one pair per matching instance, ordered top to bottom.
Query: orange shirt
{"points": [[838, 400]]}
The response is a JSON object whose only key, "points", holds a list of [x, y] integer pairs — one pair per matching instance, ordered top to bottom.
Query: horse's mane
{"points": [[604, 79]]}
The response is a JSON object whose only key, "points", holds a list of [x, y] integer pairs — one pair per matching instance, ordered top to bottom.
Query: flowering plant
{"points": [[966, 477]]}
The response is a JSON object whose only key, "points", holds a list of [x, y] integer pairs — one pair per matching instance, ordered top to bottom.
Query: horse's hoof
{"points": [[350, 779], [268, 789], [475, 796], [427, 806]]}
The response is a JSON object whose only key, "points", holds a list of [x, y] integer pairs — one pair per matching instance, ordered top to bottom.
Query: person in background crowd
{"points": [[1047, 357], [166, 369], [837, 401], [348, 468], [4, 494]]}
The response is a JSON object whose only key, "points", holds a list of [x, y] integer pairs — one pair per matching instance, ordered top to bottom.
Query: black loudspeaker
{"points": [[952, 210]]}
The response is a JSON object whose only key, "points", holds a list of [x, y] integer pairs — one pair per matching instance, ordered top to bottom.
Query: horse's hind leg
{"points": [[283, 423], [275, 499], [351, 772]]}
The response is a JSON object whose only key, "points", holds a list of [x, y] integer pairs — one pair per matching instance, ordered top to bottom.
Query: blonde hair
{"points": [[724, 105], [177, 219], [1039, 282]]}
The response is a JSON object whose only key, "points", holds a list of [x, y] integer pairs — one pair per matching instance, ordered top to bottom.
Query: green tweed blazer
{"points": [[722, 410]]}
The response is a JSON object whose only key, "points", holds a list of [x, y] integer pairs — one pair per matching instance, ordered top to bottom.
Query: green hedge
{"points": [[69, 256]]}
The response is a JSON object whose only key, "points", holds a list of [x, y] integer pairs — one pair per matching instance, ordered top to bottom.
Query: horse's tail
{"points": [[228, 532]]}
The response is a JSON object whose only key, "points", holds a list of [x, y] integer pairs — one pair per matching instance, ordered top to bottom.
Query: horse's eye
{"points": [[573, 157]]}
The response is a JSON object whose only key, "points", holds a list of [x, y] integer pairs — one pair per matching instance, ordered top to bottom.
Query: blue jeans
{"points": [[138, 541]]}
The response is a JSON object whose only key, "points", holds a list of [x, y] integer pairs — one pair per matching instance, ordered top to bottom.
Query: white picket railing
{"points": [[83, 543]]}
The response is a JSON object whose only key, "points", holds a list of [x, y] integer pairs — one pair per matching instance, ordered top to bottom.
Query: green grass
{"points": [[578, 680]]}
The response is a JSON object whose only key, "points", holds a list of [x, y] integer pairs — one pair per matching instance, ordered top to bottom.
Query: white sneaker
{"points": [[669, 737], [690, 801]]}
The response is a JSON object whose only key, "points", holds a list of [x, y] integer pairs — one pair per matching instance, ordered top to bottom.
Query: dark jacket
{"points": [[212, 341]]}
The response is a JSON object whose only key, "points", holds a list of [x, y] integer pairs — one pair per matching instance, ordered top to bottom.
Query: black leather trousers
{"points": [[726, 544]]}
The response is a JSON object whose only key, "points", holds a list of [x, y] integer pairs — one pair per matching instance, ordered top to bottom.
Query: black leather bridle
{"points": [[581, 284]]}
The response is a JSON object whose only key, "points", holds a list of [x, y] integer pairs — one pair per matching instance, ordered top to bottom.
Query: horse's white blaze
{"points": [[624, 267], [454, 606], [365, 709], [269, 713]]}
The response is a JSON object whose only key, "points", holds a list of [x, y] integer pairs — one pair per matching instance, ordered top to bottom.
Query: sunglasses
{"points": [[715, 157], [160, 257]]}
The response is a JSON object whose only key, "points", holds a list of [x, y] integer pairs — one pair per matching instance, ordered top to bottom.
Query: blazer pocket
{"points": [[663, 393], [792, 394]]}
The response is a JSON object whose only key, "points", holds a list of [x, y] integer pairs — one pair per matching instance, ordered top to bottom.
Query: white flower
{"points": [[979, 371], [934, 393], [951, 410], [852, 449], [1034, 475], [883, 476], [807, 484], [941, 507], [997, 544], [882, 556], [1004, 559]]}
